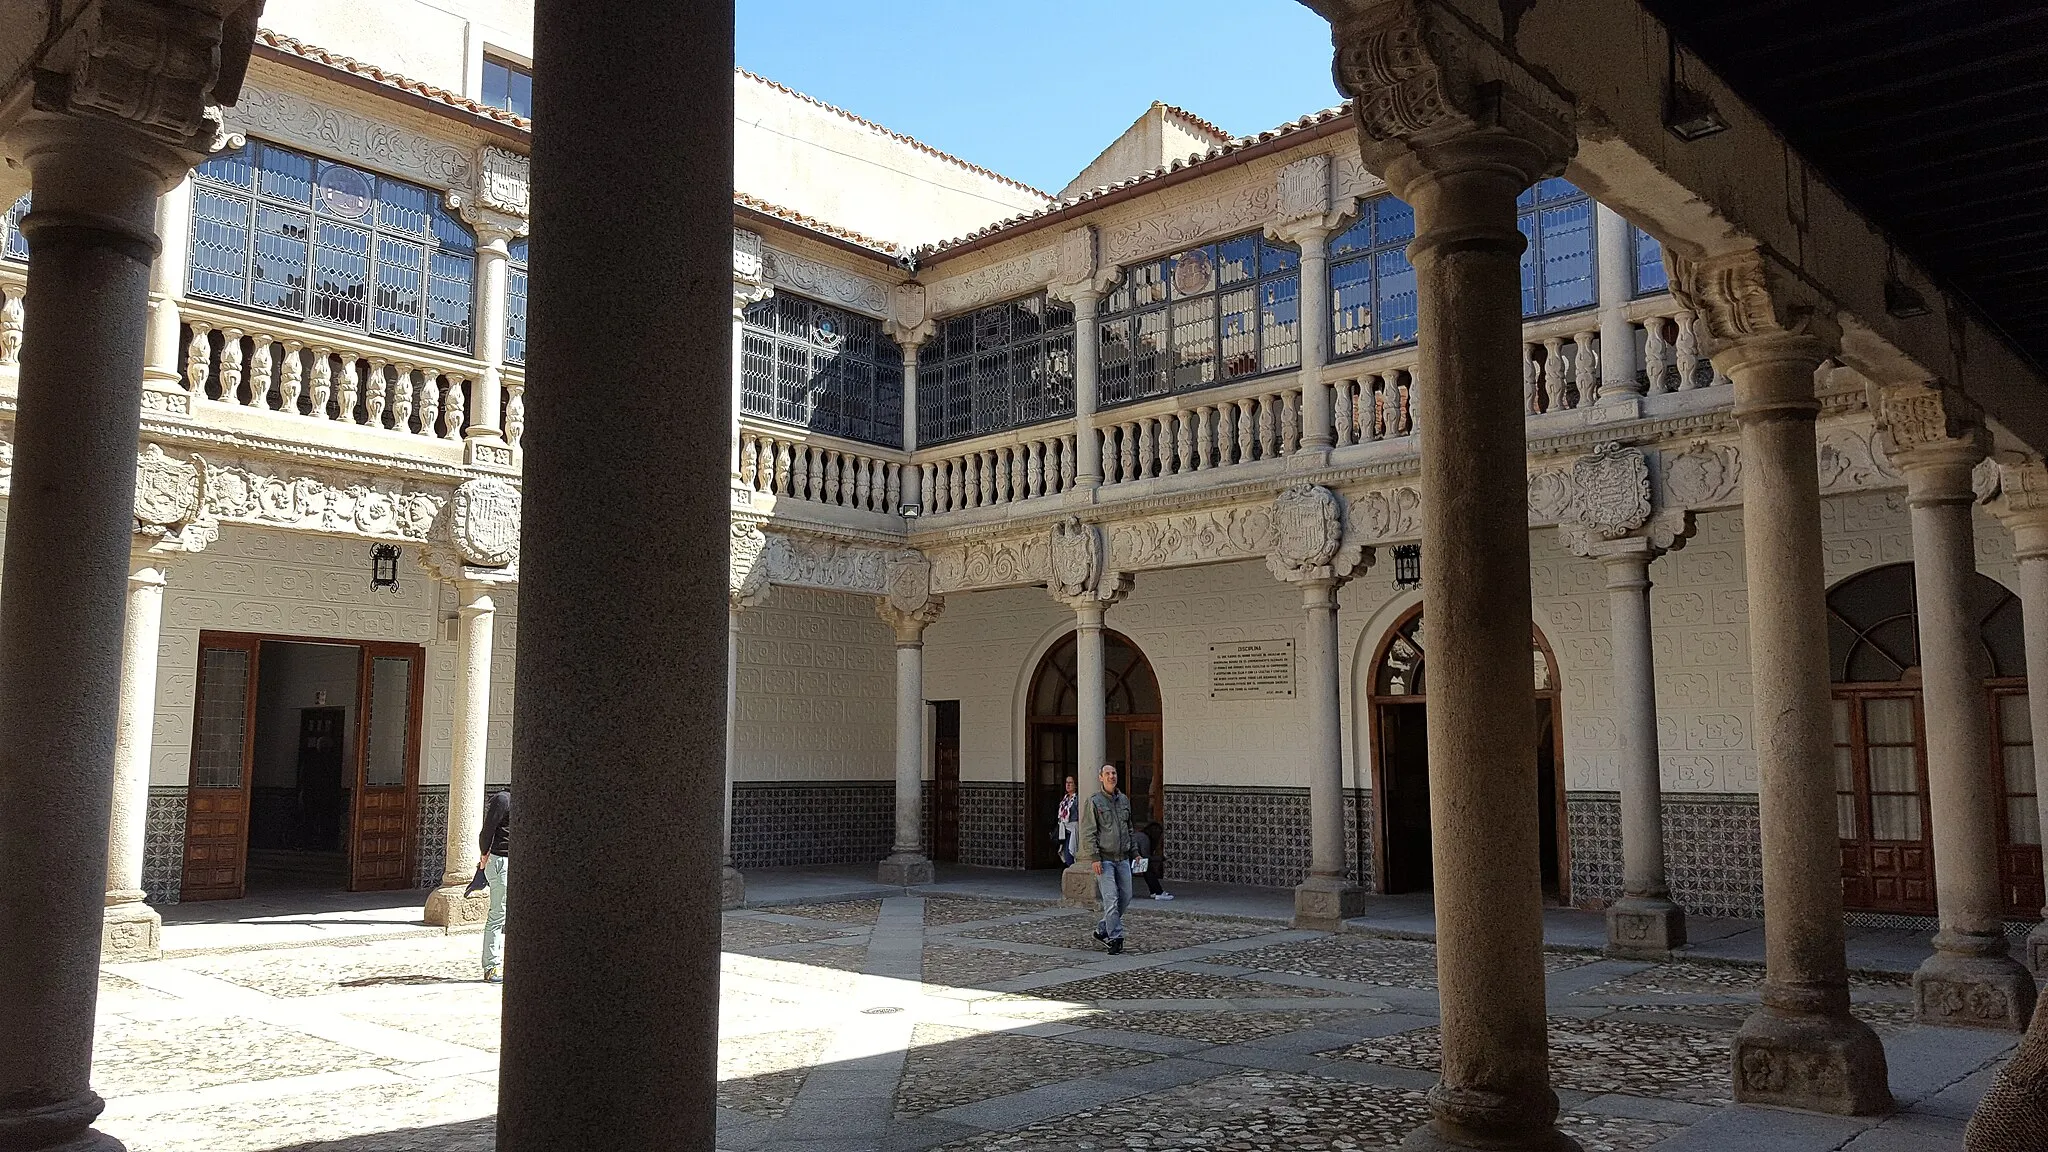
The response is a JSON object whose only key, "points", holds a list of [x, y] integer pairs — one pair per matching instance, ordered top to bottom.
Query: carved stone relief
{"points": [[330, 131], [507, 181], [1305, 188], [1190, 223], [1077, 255], [1017, 276], [825, 282], [909, 314], [1851, 460], [1704, 474], [167, 490], [1613, 490], [261, 494], [1389, 514], [484, 522], [1308, 529], [1241, 532], [1077, 552], [817, 562], [1005, 563], [909, 581], [747, 582]]}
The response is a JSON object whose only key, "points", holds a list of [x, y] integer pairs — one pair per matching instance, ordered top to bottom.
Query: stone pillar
{"points": [[1451, 156], [1306, 219], [1611, 240], [750, 286], [1087, 300], [910, 348], [162, 372], [485, 436], [2021, 502], [71, 516], [1082, 581], [467, 761], [906, 863], [732, 886], [132, 928], [1971, 979], [611, 991], [1802, 1049]]}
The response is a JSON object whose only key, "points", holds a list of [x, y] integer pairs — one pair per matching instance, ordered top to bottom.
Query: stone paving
{"points": [[1010, 1029]]}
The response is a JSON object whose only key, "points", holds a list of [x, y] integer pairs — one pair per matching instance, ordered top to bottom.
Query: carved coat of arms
{"points": [[167, 490], [1613, 490], [486, 522], [1308, 525], [1076, 556], [909, 581]]}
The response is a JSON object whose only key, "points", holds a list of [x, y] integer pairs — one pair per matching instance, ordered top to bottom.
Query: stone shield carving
{"points": [[506, 180], [1305, 188], [167, 490], [1613, 490], [486, 522], [1307, 525], [1076, 557], [908, 581]]}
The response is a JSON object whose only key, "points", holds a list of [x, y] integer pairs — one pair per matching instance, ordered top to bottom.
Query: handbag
{"points": [[477, 883]]}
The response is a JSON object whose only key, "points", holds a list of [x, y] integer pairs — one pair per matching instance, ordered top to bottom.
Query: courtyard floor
{"points": [[964, 1022]]}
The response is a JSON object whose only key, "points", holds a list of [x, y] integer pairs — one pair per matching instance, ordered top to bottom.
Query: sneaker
{"points": [[1163, 896], [1100, 933], [1116, 946], [494, 976]]}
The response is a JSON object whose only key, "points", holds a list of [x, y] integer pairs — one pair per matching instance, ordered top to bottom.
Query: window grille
{"points": [[508, 86], [284, 232], [13, 245], [1646, 258], [1557, 265], [1372, 285], [515, 302], [1215, 313], [812, 365], [1004, 366]]}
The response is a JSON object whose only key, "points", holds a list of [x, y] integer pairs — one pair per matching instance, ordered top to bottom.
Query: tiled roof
{"points": [[351, 65], [1196, 121], [913, 141], [1220, 152], [792, 216]]}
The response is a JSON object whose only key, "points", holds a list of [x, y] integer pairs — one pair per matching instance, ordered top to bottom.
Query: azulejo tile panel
{"points": [[992, 824], [780, 825], [432, 834], [1255, 835], [163, 846], [1713, 854]]}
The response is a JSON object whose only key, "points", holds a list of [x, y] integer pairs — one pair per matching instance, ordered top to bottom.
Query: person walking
{"points": [[1067, 824], [495, 842], [1108, 844], [1152, 846]]}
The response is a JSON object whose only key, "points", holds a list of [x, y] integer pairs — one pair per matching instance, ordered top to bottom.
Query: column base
{"points": [[487, 452], [904, 869], [1077, 886], [732, 888], [1323, 903], [447, 907], [1644, 928], [131, 931], [2037, 949], [1959, 990], [1822, 1063], [62, 1127]]}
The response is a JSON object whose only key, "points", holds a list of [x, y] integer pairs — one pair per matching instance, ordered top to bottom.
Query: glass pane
{"points": [[497, 84], [521, 103], [236, 168], [286, 175], [404, 208], [1393, 222], [1356, 238], [220, 243], [13, 245], [1567, 256], [1277, 257], [1237, 260], [1649, 263], [277, 275], [341, 275], [401, 281], [1394, 284], [449, 292], [1532, 300], [1351, 308], [515, 316], [1240, 319], [1280, 323], [1194, 343], [1148, 352], [1841, 714], [220, 718], [390, 721], [1888, 721], [1845, 769], [2019, 769], [1894, 770], [1845, 817], [1895, 818], [2023, 820]]}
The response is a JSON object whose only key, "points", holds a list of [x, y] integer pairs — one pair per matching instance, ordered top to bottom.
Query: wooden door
{"points": [[223, 744], [1054, 747], [387, 767], [946, 782], [1404, 797], [1881, 803], [2019, 842]]}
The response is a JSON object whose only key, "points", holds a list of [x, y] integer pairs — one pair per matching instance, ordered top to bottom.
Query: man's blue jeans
{"points": [[496, 869], [1113, 884]]}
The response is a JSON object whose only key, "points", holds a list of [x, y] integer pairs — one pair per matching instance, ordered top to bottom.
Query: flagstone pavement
{"points": [[907, 1023]]}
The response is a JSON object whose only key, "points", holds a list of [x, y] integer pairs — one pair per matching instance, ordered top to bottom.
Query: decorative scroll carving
{"points": [[333, 132], [1353, 179], [506, 183], [1305, 188], [1190, 223], [1017, 276], [749, 279], [824, 282], [1734, 297], [1924, 420], [1850, 460], [1702, 475], [2013, 486], [1612, 490], [257, 494], [1550, 496], [1391, 514], [484, 522], [1308, 529], [1242, 532], [1077, 553], [1006, 563], [834, 565], [747, 582]]}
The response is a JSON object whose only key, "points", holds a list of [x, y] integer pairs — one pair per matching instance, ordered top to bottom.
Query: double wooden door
{"points": [[382, 765]]}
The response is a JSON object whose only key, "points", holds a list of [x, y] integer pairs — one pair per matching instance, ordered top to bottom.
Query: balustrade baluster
{"points": [[11, 321], [1686, 350], [198, 354], [1656, 356], [231, 365], [1585, 370], [259, 371], [288, 373], [1554, 374], [1719, 379], [322, 383], [1532, 383], [351, 385], [375, 397], [401, 397], [1408, 402], [430, 403], [455, 407], [1369, 409], [515, 414], [1340, 414], [1245, 417], [1290, 423], [1226, 434], [1205, 437], [1145, 449], [1127, 452], [750, 460], [991, 462], [1070, 462], [776, 464], [835, 469], [1034, 469], [863, 483], [956, 483], [1007, 487], [927, 491], [892, 495]]}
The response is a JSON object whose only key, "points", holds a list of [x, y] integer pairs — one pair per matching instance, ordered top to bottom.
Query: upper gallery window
{"points": [[508, 86], [285, 232], [13, 245], [1646, 259], [1557, 266], [1372, 285], [515, 303], [1210, 314], [813, 365], [1003, 366]]}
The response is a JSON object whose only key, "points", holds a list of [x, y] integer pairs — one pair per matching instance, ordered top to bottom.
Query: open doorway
{"points": [[1399, 710], [1132, 739], [305, 766]]}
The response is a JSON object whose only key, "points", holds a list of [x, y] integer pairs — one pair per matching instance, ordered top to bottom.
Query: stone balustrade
{"points": [[12, 288], [1671, 357], [1374, 401], [1200, 434], [834, 473], [986, 474]]}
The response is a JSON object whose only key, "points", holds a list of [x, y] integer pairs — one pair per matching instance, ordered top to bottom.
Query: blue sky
{"points": [[1034, 91]]}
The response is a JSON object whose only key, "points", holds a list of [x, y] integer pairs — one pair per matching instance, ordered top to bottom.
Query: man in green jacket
{"points": [[1107, 845]]}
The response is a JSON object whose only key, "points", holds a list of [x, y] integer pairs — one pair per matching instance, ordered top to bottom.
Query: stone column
{"points": [[1452, 158], [1306, 219], [1611, 240], [1087, 300], [910, 348], [162, 371], [484, 438], [2021, 502], [71, 516], [1083, 583], [467, 761], [906, 863], [732, 886], [131, 929], [1971, 979], [611, 991], [1802, 1049]]}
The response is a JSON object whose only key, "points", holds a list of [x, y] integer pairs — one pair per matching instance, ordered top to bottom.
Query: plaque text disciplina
{"points": [[1251, 669]]}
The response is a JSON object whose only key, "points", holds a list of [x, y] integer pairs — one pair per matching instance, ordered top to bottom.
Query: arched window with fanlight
{"points": [[285, 232], [1131, 735], [1880, 742]]}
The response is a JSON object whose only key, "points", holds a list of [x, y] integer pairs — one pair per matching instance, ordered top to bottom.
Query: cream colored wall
{"points": [[440, 43], [817, 690]]}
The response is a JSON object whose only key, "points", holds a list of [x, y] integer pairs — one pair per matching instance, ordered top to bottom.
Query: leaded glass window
{"points": [[508, 86], [284, 232], [13, 245], [1646, 260], [1557, 265], [1372, 285], [515, 303], [1215, 313], [1004, 366], [831, 371]]}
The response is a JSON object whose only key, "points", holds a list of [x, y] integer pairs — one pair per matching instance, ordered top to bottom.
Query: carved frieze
{"points": [[317, 127], [1305, 189], [1190, 223], [1077, 255], [1017, 276], [824, 282], [1851, 460], [1703, 475], [167, 490], [171, 491], [1390, 514], [484, 522], [1240, 532], [1006, 563], [834, 565]]}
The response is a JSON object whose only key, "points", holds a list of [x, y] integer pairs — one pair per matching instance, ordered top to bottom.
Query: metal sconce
{"points": [[1407, 566], [384, 567]]}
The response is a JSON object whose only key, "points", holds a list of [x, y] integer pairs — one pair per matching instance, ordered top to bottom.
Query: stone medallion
{"points": [[166, 489], [1613, 489], [486, 522], [1308, 525]]}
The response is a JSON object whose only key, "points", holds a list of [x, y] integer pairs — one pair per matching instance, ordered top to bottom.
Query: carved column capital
{"points": [[160, 70], [1429, 87], [1749, 306], [1934, 435], [2016, 491], [909, 625]]}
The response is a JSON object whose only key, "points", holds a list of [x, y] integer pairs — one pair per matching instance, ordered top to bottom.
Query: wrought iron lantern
{"points": [[1407, 566], [384, 567]]}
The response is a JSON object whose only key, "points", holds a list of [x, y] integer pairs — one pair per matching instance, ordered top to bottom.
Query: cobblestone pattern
{"points": [[992, 824], [793, 825], [1255, 835], [163, 845], [1712, 852], [430, 855], [945, 910], [838, 912], [1145, 931], [739, 935], [1369, 960], [362, 964], [957, 967], [1166, 984], [1210, 1027], [131, 1056], [1669, 1061], [949, 1066], [761, 1074]]}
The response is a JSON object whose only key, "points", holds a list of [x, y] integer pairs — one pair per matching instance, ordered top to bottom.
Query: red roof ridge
{"points": [[385, 76], [1205, 125], [900, 137]]}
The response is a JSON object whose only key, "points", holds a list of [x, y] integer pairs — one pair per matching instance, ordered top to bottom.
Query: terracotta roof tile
{"points": [[351, 65], [1196, 121], [792, 216]]}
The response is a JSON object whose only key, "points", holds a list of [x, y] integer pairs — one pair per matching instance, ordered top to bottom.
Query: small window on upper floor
{"points": [[508, 86], [13, 245], [1647, 255], [1557, 266]]}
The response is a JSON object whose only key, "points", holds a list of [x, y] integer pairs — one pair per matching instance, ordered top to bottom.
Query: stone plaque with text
{"points": [[1251, 669]]}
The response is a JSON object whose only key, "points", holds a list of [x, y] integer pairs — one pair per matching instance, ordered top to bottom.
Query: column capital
{"points": [[1434, 95], [1751, 309], [1935, 436], [2016, 491], [1308, 521], [909, 624]]}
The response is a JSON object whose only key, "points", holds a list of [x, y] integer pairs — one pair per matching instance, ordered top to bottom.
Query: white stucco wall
{"points": [[441, 43], [817, 690]]}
